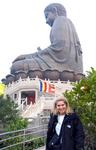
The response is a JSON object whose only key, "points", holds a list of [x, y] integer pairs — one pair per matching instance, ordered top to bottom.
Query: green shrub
{"points": [[82, 99]]}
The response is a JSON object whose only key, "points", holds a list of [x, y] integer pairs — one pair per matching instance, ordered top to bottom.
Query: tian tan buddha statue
{"points": [[62, 58]]}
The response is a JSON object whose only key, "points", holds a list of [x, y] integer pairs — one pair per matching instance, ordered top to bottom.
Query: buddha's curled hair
{"points": [[59, 7]]}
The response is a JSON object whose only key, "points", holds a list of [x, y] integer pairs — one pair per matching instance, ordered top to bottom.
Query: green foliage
{"points": [[83, 100], [8, 110], [9, 116], [10, 120], [18, 123], [30, 143], [34, 144]]}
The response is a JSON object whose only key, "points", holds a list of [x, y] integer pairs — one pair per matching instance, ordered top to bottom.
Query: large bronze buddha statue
{"points": [[64, 53]]}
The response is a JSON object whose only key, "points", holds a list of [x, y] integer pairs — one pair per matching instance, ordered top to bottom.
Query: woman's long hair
{"points": [[68, 109]]}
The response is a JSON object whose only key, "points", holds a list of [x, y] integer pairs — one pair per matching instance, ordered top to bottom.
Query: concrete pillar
{"points": [[19, 97]]}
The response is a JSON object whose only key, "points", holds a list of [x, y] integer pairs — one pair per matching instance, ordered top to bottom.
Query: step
{"points": [[41, 148]]}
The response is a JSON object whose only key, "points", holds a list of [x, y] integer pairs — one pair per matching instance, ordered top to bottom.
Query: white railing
{"points": [[29, 83], [23, 106], [34, 109], [22, 139]]}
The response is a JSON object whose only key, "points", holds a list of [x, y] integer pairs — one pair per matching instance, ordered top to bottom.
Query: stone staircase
{"points": [[32, 110]]}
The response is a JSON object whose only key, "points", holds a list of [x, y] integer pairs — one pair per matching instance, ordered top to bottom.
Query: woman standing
{"points": [[65, 130]]}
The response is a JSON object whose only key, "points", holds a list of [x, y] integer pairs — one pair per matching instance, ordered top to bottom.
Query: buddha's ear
{"points": [[54, 10]]}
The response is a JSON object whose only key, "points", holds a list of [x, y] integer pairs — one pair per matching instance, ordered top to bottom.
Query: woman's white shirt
{"points": [[59, 124]]}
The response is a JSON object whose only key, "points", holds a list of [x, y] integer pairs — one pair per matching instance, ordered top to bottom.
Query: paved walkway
{"points": [[41, 148]]}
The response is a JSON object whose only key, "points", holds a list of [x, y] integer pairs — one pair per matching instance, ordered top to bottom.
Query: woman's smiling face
{"points": [[61, 107]]}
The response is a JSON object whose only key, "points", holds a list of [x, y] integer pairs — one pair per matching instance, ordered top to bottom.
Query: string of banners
{"points": [[46, 87]]}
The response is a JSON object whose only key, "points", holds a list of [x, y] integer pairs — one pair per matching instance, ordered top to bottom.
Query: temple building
{"points": [[34, 95]]}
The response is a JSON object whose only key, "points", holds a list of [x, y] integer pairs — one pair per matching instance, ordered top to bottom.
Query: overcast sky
{"points": [[23, 29]]}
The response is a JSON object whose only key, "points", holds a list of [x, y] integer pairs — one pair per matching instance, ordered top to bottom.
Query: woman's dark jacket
{"points": [[71, 132]]}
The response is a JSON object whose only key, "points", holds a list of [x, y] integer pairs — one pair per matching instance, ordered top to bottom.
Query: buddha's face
{"points": [[50, 17]]}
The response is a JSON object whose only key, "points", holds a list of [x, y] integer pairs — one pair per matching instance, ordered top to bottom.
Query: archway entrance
{"points": [[30, 95]]}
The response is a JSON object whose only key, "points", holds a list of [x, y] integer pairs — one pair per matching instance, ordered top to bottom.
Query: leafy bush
{"points": [[82, 99], [9, 116], [10, 119], [34, 144]]}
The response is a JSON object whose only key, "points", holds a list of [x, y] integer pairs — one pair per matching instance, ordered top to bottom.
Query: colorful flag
{"points": [[46, 87], [40, 88], [51, 88]]}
